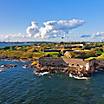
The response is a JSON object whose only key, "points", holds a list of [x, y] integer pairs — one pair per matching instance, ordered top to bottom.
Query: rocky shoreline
{"points": [[4, 67], [75, 70], [75, 74]]}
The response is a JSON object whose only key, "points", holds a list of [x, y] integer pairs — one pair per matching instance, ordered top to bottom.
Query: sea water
{"points": [[22, 86]]}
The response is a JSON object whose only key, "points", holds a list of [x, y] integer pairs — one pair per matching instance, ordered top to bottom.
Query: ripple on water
{"points": [[21, 86]]}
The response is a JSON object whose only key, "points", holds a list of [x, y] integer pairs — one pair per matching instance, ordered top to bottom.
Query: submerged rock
{"points": [[26, 66], [4, 67]]}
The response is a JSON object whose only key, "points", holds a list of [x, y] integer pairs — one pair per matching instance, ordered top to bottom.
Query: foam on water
{"points": [[41, 74], [80, 78]]}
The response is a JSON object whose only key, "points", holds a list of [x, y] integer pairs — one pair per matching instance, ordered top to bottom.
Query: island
{"points": [[76, 59]]}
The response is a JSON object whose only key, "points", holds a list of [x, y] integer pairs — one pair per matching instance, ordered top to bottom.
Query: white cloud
{"points": [[33, 29], [53, 29], [47, 31], [99, 34], [15, 37]]}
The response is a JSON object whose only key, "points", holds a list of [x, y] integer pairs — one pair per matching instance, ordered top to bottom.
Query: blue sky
{"points": [[16, 15]]}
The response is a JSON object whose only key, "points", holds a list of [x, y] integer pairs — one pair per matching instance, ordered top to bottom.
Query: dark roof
{"points": [[51, 50]]}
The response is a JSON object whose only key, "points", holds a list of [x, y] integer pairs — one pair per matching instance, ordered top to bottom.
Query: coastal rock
{"points": [[76, 67]]}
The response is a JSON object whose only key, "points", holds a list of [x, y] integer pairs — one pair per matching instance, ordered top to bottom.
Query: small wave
{"points": [[41, 74], [77, 77]]}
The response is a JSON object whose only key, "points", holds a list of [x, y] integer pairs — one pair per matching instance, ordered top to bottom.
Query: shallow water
{"points": [[22, 86]]}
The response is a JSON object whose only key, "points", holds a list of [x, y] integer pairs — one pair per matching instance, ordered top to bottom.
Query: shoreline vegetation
{"points": [[77, 59]]}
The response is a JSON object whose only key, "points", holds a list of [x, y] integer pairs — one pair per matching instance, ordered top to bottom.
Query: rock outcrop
{"points": [[76, 67]]}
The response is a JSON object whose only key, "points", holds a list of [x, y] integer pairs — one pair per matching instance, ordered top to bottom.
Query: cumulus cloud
{"points": [[33, 29], [49, 29], [53, 29]]}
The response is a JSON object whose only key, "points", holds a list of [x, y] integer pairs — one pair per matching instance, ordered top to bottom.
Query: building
{"points": [[54, 62], [76, 67]]}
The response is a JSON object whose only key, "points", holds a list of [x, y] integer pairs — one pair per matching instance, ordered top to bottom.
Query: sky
{"points": [[75, 20]]}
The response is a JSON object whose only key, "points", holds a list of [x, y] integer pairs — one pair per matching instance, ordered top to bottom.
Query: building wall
{"points": [[55, 62], [76, 66]]}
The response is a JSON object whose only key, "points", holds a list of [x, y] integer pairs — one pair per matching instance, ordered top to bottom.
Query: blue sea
{"points": [[6, 44], [22, 86]]}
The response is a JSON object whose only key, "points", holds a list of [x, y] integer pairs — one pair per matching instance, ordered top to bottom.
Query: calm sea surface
{"points": [[4, 44], [22, 86]]}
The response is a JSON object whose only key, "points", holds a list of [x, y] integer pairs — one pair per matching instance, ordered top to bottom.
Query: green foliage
{"points": [[37, 50], [99, 52], [52, 54], [101, 57], [90, 58]]}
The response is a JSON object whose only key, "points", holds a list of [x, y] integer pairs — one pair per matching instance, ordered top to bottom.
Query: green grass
{"points": [[52, 54], [90, 58]]}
